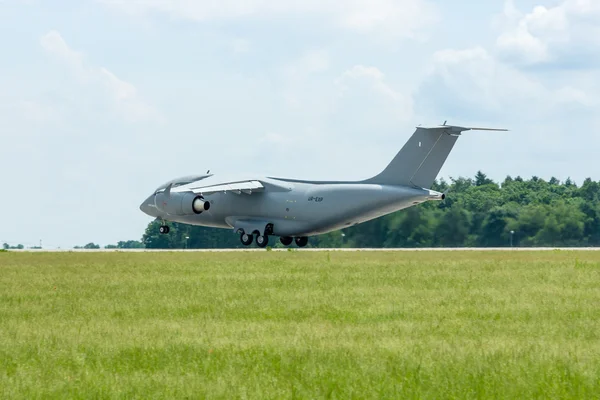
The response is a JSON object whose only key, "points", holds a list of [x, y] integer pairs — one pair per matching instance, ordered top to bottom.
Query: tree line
{"points": [[477, 212], [128, 244]]}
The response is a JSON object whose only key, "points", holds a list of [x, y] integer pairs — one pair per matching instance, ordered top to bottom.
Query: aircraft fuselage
{"points": [[297, 209]]}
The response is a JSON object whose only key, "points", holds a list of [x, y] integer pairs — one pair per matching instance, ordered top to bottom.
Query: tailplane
{"points": [[420, 160]]}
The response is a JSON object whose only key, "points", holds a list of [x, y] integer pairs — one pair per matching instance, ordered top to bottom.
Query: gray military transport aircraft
{"points": [[297, 209]]}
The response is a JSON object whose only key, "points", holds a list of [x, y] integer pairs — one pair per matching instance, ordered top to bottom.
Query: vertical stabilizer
{"points": [[420, 160]]}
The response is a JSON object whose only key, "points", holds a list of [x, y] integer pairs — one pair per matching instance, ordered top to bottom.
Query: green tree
{"points": [[481, 179], [590, 190], [591, 210], [531, 220], [411, 228], [453, 228], [494, 232], [371, 234], [130, 244]]}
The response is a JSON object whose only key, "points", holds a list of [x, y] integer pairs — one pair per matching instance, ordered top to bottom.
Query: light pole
{"points": [[511, 238], [186, 239]]}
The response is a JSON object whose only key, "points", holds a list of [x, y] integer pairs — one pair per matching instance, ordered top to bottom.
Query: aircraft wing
{"points": [[246, 187]]}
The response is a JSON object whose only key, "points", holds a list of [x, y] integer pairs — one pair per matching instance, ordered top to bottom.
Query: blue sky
{"points": [[101, 101]]}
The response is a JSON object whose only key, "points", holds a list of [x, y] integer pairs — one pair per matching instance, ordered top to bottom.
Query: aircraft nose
{"points": [[147, 207]]}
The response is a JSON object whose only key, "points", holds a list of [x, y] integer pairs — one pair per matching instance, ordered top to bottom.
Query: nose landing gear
{"points": [[164, 229]]}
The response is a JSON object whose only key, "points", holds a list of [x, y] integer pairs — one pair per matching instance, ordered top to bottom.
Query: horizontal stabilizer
{"points": [[454, 129], [489, 129]]}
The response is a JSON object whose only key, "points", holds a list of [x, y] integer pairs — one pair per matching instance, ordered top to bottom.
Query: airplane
{"points": [[294, 209]]}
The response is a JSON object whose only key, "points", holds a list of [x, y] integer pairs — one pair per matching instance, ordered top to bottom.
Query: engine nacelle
{"points": [[181, 203], [199, 205]]}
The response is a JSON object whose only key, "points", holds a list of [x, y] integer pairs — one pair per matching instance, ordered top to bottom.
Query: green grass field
{"points": [[272, 325]]}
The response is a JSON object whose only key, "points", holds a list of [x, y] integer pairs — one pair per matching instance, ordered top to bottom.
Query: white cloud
{"points": [[390, 17], [551, 34], [53, 42], [240, 46], [310, 62], [374, 76], [300, 79], [371, 79], [473, 79], [311, 87], [123, 95], [323, 108], [38, 112], [549, 118], [274, 138]]}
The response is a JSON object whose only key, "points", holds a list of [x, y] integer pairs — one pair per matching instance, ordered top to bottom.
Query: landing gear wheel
{"points": [[164, 229], [246, 239], [286, 240], [262, 241], [301, 241]]}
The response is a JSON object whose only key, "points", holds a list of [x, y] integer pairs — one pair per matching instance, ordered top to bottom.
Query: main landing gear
{"points": [[246, 239], [286, 240], [263, 241], [300, 241]]}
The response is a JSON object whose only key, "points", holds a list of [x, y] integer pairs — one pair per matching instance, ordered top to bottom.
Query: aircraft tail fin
{"points": [[420, 160]]}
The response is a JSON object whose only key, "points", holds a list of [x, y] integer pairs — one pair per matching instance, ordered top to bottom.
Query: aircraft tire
{"points": [[164, 230], [246, 239], [286, 240], [262, 241], [301, 241]]}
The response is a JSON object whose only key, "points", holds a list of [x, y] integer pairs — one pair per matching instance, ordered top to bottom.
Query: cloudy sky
{"points": [[103, 100]]}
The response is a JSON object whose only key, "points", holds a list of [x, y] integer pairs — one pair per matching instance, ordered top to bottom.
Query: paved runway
{"points": [[311, 250]]}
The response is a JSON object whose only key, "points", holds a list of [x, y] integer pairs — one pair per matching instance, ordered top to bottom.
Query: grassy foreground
{"points": [[300, 325]]}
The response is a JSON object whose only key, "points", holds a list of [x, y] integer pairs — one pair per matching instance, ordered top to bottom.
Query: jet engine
{"points": [[181, 203]]}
